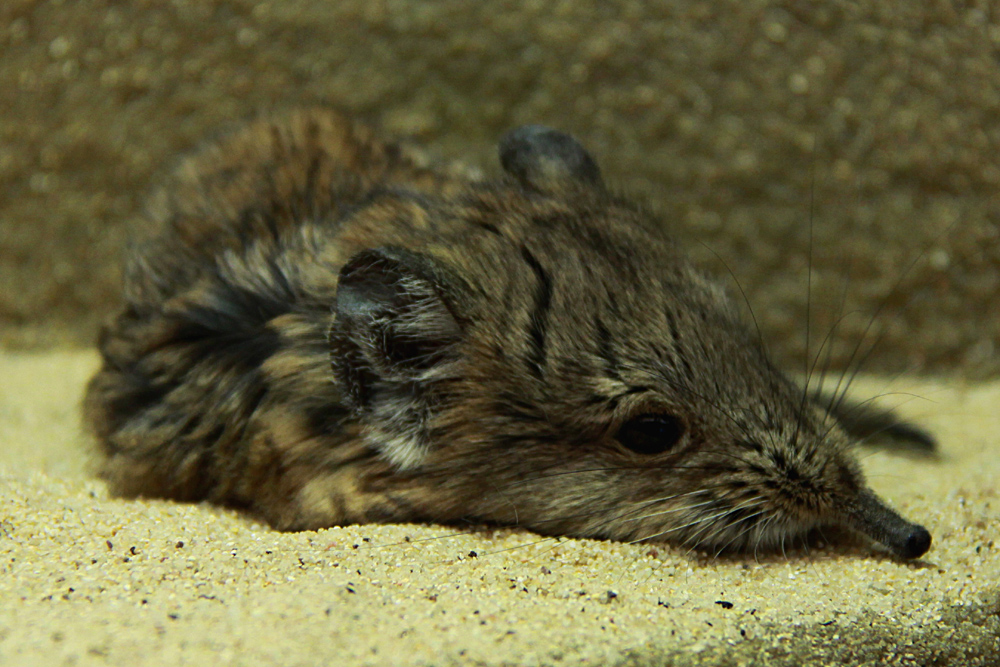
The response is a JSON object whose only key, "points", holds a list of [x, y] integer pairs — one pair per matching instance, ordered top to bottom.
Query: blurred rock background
{"points": [[739, 121]]}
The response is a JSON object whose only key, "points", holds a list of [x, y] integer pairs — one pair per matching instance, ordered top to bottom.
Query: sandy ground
{"points": [[87, 579]]}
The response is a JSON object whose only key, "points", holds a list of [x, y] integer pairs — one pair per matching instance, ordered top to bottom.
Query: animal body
{"points": [[322, 329]]}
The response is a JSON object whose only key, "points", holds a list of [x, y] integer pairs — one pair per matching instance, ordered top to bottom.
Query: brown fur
{"points": [[322, 329]]}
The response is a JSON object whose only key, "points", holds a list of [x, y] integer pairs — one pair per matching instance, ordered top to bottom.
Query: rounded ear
{"points": [[547, 160], [391, 322], [393, 336]]}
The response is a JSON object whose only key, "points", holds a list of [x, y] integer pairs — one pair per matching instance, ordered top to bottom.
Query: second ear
{"points": [[546, 160]]}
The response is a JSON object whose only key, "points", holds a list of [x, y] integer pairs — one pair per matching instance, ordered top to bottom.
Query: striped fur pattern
{"points": [[322, 328]]}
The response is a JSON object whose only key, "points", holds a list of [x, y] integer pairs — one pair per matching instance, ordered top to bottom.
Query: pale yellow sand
{"points": [[91, 580]]}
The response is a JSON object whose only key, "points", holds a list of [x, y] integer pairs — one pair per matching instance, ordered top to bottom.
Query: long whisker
{"points": [[812, 211], [746, 300], [883, 303], [843, 314], [536, 478], [749, 504], [640, 506], [674, 510], [704, 519], [751, 524], [761, 534]]}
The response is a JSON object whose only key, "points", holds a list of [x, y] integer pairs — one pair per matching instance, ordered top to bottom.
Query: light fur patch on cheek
{"points": [[398, 429]]}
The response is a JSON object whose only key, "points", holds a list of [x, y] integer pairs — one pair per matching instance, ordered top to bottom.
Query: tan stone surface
{"points": [[727, 114], [85, 579]]}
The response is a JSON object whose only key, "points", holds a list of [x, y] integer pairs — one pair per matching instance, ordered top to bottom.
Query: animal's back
{"points": [[222, 337]]}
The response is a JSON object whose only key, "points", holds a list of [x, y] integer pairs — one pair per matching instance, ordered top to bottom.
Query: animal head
{"points": [[553, 360]]}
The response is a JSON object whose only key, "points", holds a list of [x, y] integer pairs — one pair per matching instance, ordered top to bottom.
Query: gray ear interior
{"points": [[547, 160], [391, 324]]}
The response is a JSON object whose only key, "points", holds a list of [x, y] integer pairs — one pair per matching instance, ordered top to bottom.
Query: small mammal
{"points": [[323, 330]]}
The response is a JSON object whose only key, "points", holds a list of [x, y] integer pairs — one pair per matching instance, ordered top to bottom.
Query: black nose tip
{"points": [[878, 521], [917, 543]]}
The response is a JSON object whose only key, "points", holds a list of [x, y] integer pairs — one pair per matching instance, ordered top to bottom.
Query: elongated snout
{"points": [[868, 514]]}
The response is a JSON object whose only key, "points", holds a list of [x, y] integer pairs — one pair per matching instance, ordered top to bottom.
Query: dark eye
{"points": [[651, 434]]}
